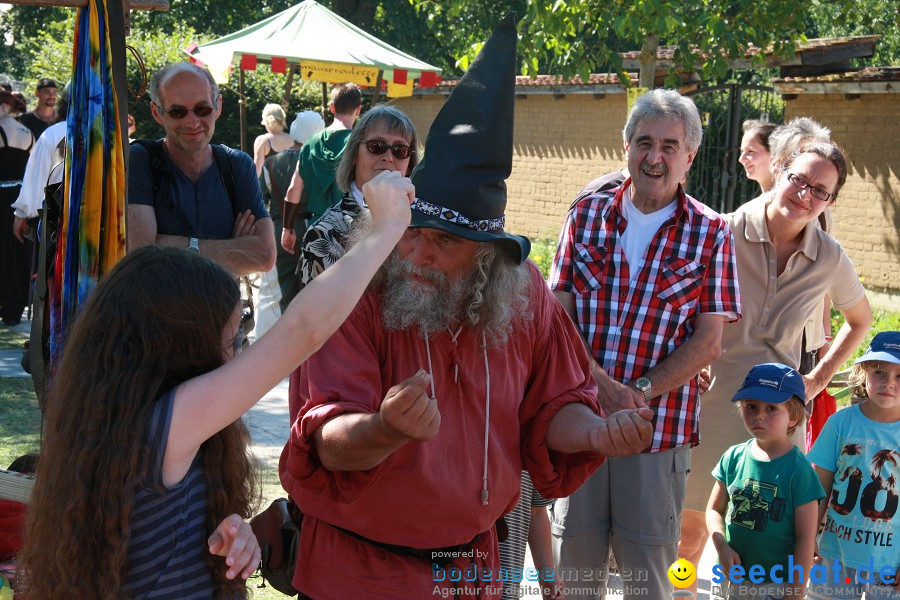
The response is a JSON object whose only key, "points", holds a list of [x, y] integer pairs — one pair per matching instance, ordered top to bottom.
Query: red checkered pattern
{"points": [[689, 269]]}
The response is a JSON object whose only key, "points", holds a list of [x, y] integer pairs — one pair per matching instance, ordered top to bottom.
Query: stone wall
{"points": [[563, 141], [560, 144], [867, 211]]}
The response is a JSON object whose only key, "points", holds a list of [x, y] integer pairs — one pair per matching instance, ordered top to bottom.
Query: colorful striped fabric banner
{"points": [[92, 226]]}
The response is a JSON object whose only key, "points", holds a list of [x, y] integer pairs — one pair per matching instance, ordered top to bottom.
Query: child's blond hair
{"points": [[857, 377]]}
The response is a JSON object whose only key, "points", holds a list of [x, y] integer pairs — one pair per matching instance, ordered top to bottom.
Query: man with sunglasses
{"points": [[314, 178], [187, 193]]}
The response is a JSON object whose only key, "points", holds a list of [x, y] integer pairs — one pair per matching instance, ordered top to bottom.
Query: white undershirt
{"points": [[357, 194], [640, 231]]}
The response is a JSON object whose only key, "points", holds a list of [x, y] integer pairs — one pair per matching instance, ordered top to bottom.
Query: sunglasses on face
{"points": [[180, 112], [400, 151], [800, 182]]}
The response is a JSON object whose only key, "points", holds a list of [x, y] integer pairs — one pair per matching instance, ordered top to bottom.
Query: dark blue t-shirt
{"points": [[200, 209]]}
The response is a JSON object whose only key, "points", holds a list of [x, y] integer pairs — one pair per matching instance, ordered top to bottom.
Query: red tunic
{"points": [[428, 494]]}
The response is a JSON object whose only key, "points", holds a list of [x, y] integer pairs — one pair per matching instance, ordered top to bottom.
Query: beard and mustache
{"points": [[431, 307]]}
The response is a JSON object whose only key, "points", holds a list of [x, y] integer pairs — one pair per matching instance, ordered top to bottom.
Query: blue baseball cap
{"points": [[885, 347], [773, 383]]}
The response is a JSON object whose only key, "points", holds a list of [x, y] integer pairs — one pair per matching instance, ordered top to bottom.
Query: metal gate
{"points": [[716, 178]]}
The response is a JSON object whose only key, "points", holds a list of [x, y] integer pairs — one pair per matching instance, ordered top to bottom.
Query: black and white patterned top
{"points": [[323, 242]]}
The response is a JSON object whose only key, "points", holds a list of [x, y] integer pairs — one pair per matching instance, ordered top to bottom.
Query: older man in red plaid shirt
{"points": [[648, 275]]}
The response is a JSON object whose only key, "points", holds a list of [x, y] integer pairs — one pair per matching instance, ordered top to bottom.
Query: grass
{"points": [[542, 252], [882, 320], [12, 338], [21, 423], [20, 433]]}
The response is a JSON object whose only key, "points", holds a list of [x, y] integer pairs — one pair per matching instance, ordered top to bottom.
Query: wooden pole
{"points": [[132, 4], [117, 28], [377, 93], [286, 101], [324, 101], [242, 110]]}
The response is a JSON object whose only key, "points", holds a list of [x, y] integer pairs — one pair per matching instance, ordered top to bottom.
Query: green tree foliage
{"points": [[359, 12], [860, 17], [212, 18], [19, 27], [445, 34], [706, 34], [565, 37], [578, 37], [49, 54], [260, 88]]}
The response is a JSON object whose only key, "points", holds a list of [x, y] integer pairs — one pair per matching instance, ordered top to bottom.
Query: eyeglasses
{"points": [[180, 112], [378, 147], [798, 181], [237, 344]]}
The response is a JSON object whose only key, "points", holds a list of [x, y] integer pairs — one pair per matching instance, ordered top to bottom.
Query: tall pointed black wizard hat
{"points": [[460, 184]]}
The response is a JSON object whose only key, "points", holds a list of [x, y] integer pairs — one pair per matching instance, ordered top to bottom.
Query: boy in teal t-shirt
{"points": [[764, 506]]}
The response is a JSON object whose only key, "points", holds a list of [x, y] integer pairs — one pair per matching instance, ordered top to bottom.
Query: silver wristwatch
{"points": [[194, 244], [642, 384]]}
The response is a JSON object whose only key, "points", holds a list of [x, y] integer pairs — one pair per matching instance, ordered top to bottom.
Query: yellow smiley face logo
{"points": [[682, 573]]}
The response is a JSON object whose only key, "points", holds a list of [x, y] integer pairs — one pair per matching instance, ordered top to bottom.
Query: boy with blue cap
{"points": [[857, 458], [764, 506]]}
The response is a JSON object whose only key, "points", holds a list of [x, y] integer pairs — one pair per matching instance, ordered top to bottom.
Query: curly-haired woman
{"points": [[144, 478]]}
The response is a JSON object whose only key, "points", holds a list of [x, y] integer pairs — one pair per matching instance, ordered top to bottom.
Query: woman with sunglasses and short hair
{"points": [[384, 139], [786, 265]]}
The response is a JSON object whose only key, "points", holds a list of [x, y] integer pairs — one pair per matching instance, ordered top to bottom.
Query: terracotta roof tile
{"points": [[815, 44], [667, 53], [868, 74], [551, 80]]}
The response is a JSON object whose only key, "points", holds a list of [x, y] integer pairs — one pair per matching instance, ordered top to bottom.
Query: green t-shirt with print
{"points": [[762, 496]]}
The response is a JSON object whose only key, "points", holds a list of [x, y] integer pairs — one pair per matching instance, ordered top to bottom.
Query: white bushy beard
{"points": [[406, 303]]}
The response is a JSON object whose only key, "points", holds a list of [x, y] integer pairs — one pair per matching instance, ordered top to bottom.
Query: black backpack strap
{"points": [[223, 163], [159, 169], [226, 173], [607, 182]]}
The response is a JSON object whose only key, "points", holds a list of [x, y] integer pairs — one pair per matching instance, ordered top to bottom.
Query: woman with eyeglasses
{"points": [[384, 139], [786, 265]]}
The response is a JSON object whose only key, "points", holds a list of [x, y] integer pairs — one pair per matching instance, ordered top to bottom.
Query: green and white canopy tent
{"points": [[320, 45]]}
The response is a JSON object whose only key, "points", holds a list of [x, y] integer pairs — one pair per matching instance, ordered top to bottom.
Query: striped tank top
{"points": [[168, 526]]}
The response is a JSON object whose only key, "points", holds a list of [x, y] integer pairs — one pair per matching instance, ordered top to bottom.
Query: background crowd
{"points": [[458, 387]]}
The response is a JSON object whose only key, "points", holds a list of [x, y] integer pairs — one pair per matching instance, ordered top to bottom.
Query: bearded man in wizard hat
{"points": [[456, 370]]}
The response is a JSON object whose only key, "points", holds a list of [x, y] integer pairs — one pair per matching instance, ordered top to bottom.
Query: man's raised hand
{"points": [[388, 196], [408, 412]]}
